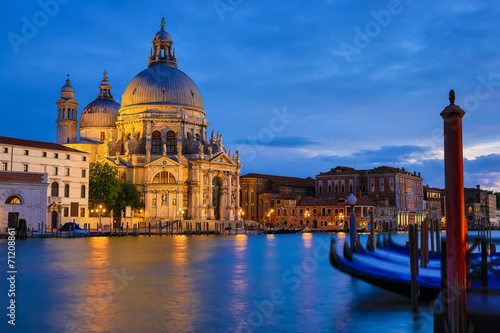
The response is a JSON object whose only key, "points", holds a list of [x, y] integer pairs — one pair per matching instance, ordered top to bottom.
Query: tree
{"points": [[104, 185], [106, 189], [128, 196]]}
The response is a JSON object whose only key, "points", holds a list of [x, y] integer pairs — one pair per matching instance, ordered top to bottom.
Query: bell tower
{"points": [[67, 114]]}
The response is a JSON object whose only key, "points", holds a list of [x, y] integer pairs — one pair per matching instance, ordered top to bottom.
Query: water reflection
{"points": [[307, 238]]}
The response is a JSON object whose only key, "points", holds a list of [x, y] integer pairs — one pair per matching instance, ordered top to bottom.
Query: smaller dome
{"points": [[162, 35], [105, 83], [67, 87], [100, 113]]}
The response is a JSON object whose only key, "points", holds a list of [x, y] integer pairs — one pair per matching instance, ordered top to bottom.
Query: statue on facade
{"points": [[164, 149], [164, 199]]}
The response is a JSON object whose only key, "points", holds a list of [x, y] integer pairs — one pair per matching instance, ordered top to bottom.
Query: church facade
{"points": [[159, 140]]}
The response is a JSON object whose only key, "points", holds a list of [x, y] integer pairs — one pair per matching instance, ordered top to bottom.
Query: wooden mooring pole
{"points": [[456, 228], [413, 240]]}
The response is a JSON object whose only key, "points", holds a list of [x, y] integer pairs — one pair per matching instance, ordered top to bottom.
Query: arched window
{"points": [[60, 113], [73, 114], [189, 136], [170, 142], [156, 143], [164, 177], [54, 189], [83, 190], [66, 191], [14, 200], [323, 211]]}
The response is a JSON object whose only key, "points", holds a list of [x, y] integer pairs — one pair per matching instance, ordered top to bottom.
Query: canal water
{"points": [[237, 283]]}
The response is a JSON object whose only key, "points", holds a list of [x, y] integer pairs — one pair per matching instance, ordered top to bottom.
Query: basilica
{"points": [[158, 139]]}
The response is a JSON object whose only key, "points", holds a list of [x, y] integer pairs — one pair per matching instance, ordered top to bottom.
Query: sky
{"points": [[298, 87]]}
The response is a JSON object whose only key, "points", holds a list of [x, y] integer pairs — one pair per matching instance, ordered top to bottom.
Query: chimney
{"points": [[478, 187]]}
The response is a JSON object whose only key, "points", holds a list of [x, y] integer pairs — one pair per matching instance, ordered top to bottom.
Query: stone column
{"points": [[210, 199]]}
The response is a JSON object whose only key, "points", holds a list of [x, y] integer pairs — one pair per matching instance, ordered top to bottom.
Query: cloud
{"points": [[282, 141]]}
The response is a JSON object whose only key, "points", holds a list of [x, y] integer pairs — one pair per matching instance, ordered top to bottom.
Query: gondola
{"points": [[390, 276], [395, 276]]}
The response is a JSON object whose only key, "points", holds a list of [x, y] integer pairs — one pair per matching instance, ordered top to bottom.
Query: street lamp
{"points": [[99, 210], [180, 213], [241, 213], [307, 215], [341, 216], [352, 220]]}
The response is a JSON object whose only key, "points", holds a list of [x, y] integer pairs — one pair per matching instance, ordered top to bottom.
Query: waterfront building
{"points": [[158, 139], [62, 170], [403, 189], [259, 190], [432, 202], [476, 207], [331, 213]]}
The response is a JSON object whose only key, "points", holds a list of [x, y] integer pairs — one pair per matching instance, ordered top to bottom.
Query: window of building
{"points": [[103, 136], [170, 142], [156, 143], [6, 150], [26, 152], [44, 154], [56, 155], [67, 156], [84, 158], [4, 166], [25, 167], [56, 171], [66, 172], [84, 173], [164, 177], [391, 184], [372, 185], [382, 185], [320, 187], [329, 188], [343, 188], [350, 188], [54, 189], [66, 191], [83, 192], [246, 196], [252, 197], [13, 200], [278, 202], [66, 211], [284, 211], [293, 211], [301, 211], [314, 211], [323, 211], [329, 211], [336, 211], [82, 212], [278, 212], [301, 222]]}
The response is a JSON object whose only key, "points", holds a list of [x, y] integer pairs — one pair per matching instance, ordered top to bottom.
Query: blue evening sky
{"points": [[298, 87]]}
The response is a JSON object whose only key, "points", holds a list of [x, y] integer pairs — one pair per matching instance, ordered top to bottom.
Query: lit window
{"points": [[103, 136], [4, 166], [164, 177], [13, 200], [82, 212]]}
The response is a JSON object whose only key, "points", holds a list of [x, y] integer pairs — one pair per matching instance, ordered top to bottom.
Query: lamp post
{"points": [[99, 210], [241, 213], [307, 215], [341, 215], [352, 221]]}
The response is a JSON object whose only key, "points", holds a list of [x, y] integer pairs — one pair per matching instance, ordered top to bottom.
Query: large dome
{"points": [[162, 84], [100, 113]]}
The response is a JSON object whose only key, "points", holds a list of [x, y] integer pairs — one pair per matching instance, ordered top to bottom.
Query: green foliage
{"points": [[104, 185], [106, 189], [128, 196]]}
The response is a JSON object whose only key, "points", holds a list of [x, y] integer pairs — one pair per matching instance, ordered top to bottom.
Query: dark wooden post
{"points": [[432, 224], [456, 228], [413, 238]]}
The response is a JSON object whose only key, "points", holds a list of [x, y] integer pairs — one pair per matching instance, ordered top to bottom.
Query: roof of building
{"points": [[103, 111], [37, 144], [343, 170], [24, 177], [284, 180], [310, 201]]}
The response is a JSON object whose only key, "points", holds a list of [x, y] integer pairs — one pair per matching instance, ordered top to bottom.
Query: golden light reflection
{"points": [[341, 235], [270, 236], [307, 238], [240, 242], [180, 255], [239, 275], [98, 287]]}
